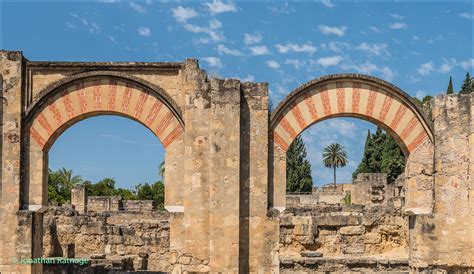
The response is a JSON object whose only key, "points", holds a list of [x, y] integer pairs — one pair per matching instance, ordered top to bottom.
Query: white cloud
{"points": [[109, 1], [328, 3], [217, 6], [137, 7], [284, 9], [182, 14], [467, 15], [396, 16], [90, 25], [398, 25], [375, 29], [211, 30], [144, 31], [339, 31], [415, 37], [112, 39], [250, 39], [335, 46], [308, 48], [374, 49], [225, 50], [259, 50], [213, 61], [329, 61], [295, 63], [469, 63], [273, 64], [447, 65], [370, 68], [426, 68], [248, 78], [420, 94]]}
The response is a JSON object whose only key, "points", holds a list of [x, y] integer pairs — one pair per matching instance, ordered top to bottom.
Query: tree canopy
{"points": [[381, 155], [334, 156], [298, 168], [60, 183]]}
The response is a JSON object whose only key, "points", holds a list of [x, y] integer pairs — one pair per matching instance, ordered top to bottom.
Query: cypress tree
{"points": [[466, 84], [450, 86], [381, 154], [298, 168]]}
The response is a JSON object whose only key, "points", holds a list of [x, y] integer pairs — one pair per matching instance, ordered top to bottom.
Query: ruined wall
{"points": [[103, 203], [328, 237], [445, 239], [140, 240]]}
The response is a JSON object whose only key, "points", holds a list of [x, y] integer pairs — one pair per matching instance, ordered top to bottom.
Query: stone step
{"points": [[311, 254]]}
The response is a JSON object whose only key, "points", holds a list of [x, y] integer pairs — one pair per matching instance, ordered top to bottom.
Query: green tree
{"points": [[466, 84], [450, 86], [381, 154], [334, 156], [298, 168], [161, 171], [60, 183], [105, 187], [155, 192]]}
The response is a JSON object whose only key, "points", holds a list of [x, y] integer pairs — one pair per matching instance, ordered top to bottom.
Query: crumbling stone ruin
{"points": [[226, 163]]}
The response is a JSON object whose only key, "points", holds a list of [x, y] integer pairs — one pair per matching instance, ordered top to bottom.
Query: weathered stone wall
{"points": [[103, 203], [138, 205], [341, 232], [139, 238], [445, 239]]}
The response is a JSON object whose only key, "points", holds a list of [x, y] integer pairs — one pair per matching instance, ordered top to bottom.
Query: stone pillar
{"points": [[10, 138], [196, 168], [277, 172], [224, 181], [79, 198], [259, 234], [445, 239]]}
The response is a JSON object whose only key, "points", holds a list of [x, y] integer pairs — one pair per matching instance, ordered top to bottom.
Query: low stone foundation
{"points": [[115, 240]]}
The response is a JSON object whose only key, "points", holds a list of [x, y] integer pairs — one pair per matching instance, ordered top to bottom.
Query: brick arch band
{"points": [[351, 95], [61, 106]]}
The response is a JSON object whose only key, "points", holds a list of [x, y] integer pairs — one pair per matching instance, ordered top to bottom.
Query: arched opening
{"points": [[362, 97], [76, 103], [104, 165], [367, 215]]}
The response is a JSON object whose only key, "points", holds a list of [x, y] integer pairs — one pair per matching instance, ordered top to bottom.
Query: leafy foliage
{"points": [[467, 85], [450, 86], [381, 155], [334, 156], [298, 169], [60, 183], [155, 192], [347, 199]]}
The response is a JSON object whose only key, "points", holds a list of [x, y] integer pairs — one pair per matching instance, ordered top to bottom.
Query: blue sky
{"points": [[415, 46]]}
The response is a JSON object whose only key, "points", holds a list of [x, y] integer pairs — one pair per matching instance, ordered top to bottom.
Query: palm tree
{"points": [[334, 156], [161, 171]]}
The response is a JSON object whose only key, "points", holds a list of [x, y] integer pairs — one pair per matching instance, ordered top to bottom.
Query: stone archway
{"points": [[83, 97], [367, 98]]}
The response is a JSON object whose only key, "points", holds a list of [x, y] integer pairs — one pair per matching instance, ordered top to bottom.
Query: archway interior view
{"points": [[97, 153], [102, 164], [337, 171], [362, 214]]}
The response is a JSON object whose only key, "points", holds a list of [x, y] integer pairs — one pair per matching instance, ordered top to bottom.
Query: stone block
{"points": [[336, 220], [352, 230], [372, 238], [353, 249], [311, 254], [96, 256]]}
